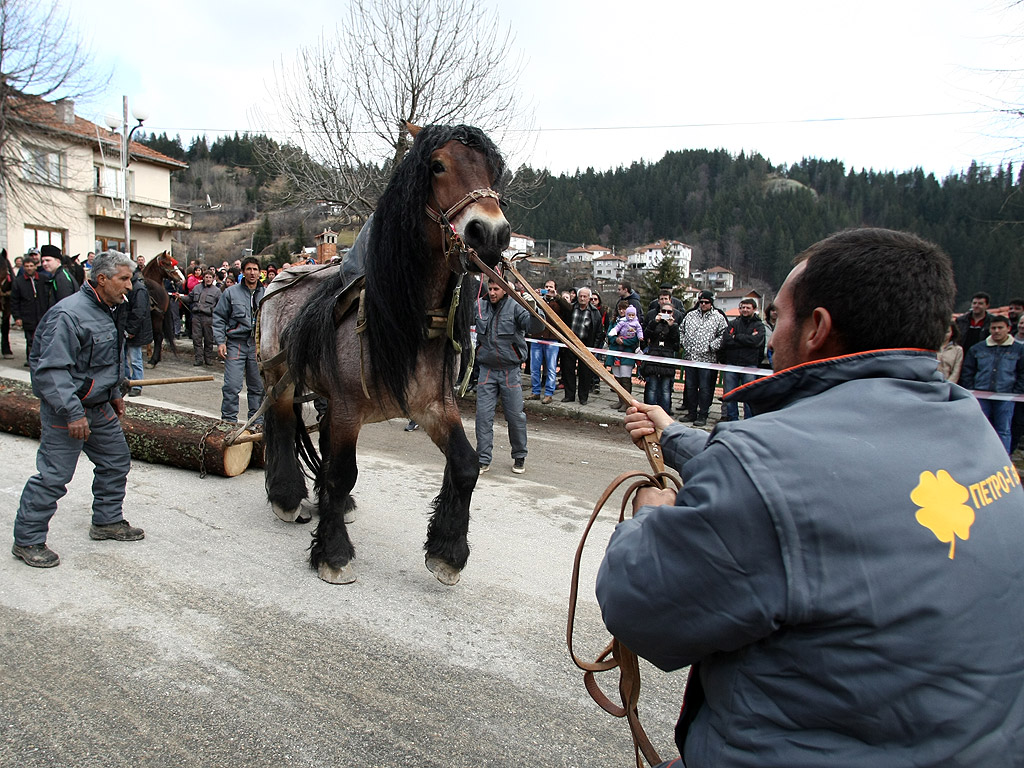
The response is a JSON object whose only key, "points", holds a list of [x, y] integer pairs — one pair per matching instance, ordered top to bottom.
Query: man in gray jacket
{"points": [[204, 298], [501, 326], [234, 330], [76, 371], [843, 571]]}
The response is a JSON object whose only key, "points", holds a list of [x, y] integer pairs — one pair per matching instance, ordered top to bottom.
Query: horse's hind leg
{"points": [[286, 486], [447, 546], [331, 552]]}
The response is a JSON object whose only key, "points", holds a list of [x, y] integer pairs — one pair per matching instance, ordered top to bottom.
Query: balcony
{"points": [[147, 214]]}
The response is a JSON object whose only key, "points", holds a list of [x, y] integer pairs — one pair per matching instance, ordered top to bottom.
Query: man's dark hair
{"points": [[250, 260], [627, 285], [883, 289], [665, 292], [982, 295], [749, 301], [1015, 303], [1000, 319]]}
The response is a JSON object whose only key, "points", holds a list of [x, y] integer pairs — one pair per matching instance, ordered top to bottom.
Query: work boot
{"points": [[119, 531], [36, 555]]}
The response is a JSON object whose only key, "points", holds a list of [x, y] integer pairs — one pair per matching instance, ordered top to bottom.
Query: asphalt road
{"points": [[211, 643]]}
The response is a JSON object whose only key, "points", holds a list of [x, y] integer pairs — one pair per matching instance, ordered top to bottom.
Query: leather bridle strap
{"points": [[443, 217], [615, 654]]}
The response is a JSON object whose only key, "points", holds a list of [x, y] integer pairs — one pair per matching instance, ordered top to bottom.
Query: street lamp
{"points": [[126, 138]]}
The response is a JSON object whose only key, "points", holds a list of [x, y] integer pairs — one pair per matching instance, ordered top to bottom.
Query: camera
{"points": [[543, 291]]}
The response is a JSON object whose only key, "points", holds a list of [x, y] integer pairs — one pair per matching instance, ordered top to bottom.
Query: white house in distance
{"points": [[65, 189], [519, 244], [586, 253], [649, 256], [609, 267], [718, 279]]}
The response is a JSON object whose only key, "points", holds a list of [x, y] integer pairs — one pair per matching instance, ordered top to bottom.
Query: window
{"points": [[43, 166], [107, 181], [36, 237], [113, 244]]}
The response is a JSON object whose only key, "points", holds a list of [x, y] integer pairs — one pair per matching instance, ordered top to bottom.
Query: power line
{"points": [[671, 126]]}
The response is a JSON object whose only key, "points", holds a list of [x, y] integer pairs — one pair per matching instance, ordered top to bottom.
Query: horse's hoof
{"points": [[297, 515], [443, 571], [344, 575]]}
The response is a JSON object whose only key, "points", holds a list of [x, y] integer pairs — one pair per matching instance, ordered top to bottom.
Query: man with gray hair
{"points": [[585, 322], [76, 371]]}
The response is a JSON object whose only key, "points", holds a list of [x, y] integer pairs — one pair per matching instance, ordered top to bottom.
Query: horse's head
{"points": [[464, 167], [168, 266]]}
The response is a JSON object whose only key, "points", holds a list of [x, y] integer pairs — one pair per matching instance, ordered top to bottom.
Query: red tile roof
{"points": [[46, 116]]}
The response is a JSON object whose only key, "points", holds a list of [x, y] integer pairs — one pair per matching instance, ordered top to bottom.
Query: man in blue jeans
{"points": [[501, 326], [234, 330], [742, 345], [545, 355], [996, 364]]}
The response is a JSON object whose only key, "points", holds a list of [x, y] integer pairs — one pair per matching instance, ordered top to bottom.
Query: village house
{"points": [[65, 188], [518, 244], [586, 254], [649, 257], [610, 267], [717, 279]]}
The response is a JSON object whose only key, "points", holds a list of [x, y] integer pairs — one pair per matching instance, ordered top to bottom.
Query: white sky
{"points": [[606, 78]]}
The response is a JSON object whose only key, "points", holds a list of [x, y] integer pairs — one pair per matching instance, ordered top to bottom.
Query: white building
{"points": [[67, 185], [519, 244], [587, 253], [649, 257], [609, 268], [719, 279]]}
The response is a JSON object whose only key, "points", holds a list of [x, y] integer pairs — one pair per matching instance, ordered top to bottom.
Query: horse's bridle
{"points": [[453, 242]]}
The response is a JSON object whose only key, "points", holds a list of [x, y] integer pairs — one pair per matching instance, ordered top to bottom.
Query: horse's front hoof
{"points": [[297, 515], [443, 571], [344, 575]]}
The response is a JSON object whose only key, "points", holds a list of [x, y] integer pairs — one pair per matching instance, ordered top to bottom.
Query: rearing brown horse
{"points": [[441, 192]]}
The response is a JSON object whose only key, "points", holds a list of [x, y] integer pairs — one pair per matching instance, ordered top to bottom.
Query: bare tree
{"points": [[41, 57], [344, 98]]}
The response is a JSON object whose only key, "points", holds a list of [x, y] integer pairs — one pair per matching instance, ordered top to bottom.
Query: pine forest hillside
{"points": [[740, 212], [744, 214]]}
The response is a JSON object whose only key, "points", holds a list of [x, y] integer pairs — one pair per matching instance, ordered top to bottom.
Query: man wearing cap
{"points": [[59, 282], [701, 332], [76, 369]]}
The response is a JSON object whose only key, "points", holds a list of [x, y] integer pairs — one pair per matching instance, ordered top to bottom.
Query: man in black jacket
{"points": [[59, 281], [28, 301], [585, 322], [139, 331], [743, 344]]}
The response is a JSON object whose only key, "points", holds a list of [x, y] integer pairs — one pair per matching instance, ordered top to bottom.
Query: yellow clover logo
{"points": [[943, 510]]}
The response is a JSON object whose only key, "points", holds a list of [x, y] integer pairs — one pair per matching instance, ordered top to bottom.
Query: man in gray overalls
{"points": [[76, 369]]}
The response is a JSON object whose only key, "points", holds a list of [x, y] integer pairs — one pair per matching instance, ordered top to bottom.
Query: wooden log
{"points": [[156, 435]]}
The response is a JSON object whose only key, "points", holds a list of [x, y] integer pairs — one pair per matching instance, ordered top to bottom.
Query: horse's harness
{"points": [[440, 321]]}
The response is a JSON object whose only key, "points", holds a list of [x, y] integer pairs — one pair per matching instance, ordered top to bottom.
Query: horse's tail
{"points": [[311, 337], [307, 452]]}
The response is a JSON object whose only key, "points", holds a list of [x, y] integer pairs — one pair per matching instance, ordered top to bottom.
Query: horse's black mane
{"points": [[398, 264]]}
